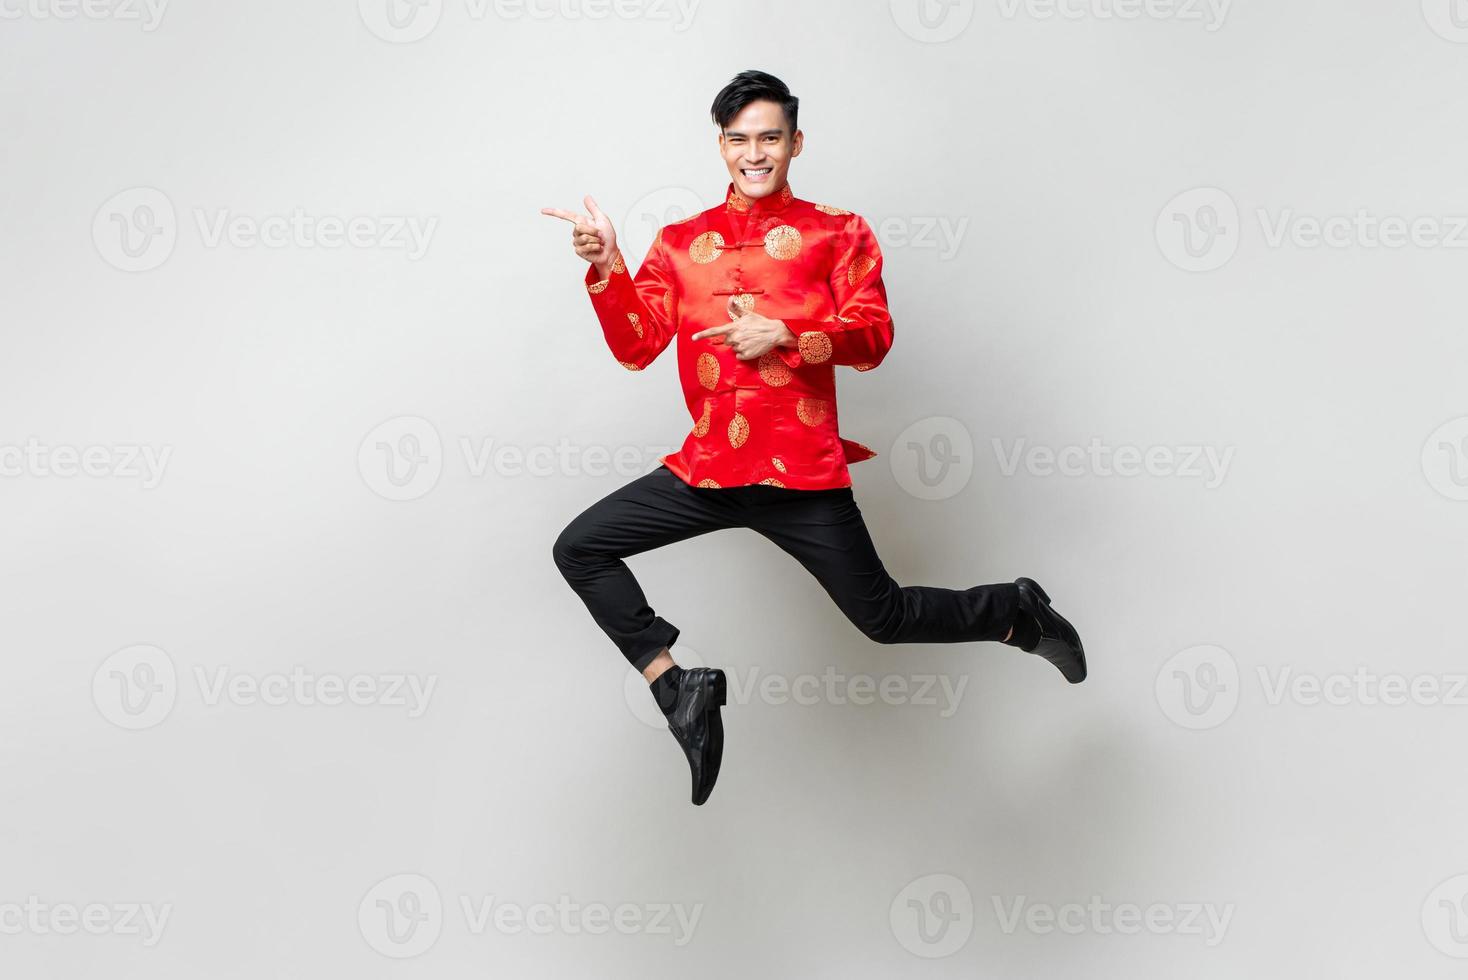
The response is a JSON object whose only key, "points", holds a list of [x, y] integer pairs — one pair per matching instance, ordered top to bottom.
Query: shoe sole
{"points": [[717, 687]]}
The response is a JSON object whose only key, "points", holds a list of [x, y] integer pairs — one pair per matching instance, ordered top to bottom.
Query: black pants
{"points": [[821, 529]]}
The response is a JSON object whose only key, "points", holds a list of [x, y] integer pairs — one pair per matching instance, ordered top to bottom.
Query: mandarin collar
{"points": [[769, 204]]}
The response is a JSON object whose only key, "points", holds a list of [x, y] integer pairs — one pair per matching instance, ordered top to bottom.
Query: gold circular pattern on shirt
{"points": [[827, 209], [783, 242], [706, 247], [618, 265], [859, 267], [598, 287], [745, 302], [668, 303], [636, 323], [814, 346], [630, 366], [864, 367], [708, 370], [772, 370], [811, 411], [701, 427], [738, 430], [778, 463], [770, 481], [710, 484]]}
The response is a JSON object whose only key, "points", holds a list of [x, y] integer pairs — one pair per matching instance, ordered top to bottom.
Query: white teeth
{"points": [[756, 173]]}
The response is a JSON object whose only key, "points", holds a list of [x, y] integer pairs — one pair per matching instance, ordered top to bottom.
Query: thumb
{"points": [[592, 209], [735, 310]]}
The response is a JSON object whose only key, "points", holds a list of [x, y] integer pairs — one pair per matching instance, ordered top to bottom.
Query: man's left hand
{"points": [[751, 335]]}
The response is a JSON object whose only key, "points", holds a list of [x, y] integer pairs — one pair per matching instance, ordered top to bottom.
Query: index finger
{"points": [[570, 216], [710, 331]]}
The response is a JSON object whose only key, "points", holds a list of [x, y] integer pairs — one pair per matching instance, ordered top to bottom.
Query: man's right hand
{"points": [[592, 236]]}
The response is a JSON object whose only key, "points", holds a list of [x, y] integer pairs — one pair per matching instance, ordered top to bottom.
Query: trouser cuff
{"points": [[650, 642]]}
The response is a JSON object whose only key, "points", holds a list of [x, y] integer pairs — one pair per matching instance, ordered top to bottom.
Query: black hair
{"points": [[752, 86]]}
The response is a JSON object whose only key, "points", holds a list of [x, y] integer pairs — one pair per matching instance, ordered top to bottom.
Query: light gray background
{"points": [[1333, 544]]}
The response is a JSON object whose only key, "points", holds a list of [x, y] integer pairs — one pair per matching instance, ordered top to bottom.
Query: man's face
{"points": [[758, 147]]}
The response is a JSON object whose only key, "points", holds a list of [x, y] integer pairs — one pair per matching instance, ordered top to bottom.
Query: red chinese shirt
{"points": [[772, 419]]}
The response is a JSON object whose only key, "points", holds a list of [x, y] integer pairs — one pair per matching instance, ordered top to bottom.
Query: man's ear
{"points": [[797, 143]]}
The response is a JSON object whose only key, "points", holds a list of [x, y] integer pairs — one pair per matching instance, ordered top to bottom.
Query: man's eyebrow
{"points": [[767, 132]]}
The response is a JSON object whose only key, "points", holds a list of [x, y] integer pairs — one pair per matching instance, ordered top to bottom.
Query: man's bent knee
{"points": [[566, 548]]}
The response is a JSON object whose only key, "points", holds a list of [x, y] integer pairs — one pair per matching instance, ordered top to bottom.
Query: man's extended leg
{"points": [[825, 532]]}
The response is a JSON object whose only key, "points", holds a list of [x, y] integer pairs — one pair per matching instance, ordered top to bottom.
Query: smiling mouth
{"points": [[757, 173]]}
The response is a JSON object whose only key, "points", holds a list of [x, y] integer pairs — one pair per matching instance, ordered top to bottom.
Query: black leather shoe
{"points": [[1059, 642], [698, 727]]}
